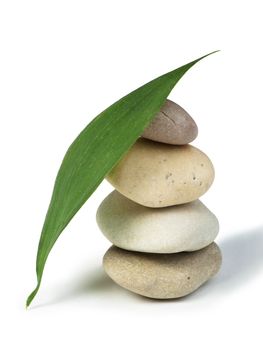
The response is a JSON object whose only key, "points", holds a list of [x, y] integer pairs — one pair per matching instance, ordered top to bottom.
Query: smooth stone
{"points": [[172, 125], [159, 175], [131, 226], [162, 276]]}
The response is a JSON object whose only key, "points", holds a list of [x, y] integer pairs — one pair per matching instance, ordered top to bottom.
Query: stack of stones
{"points": [[162, 234]]}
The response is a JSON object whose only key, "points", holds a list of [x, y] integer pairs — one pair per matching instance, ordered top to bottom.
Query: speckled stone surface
{"points": [[172, 125], [158, 175], [131, 226], [162, 276]]}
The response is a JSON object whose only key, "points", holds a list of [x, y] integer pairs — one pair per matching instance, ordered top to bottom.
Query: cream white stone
{"points": [[130, 226]]}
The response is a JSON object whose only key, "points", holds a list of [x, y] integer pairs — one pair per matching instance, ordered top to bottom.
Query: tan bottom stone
{"points": [[162, 276]]}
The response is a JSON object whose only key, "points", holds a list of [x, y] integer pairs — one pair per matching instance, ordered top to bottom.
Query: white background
{"points": [[63, 62]]}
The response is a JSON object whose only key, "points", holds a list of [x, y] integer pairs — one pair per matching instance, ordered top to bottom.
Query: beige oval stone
{"points": [[172, 125], [159, 175], [178, 228], [162, 276]]}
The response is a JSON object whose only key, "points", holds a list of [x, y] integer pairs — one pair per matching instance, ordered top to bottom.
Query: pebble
{"points": [[172, 125], [157, 175], [128, 225], [162, 276]]}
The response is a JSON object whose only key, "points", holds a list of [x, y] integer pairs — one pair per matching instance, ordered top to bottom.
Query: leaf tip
{"points": [[214, 52], [210, 53], [31, 296], [28, 301]]}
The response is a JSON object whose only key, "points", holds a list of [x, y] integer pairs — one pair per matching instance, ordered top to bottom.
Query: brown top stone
{"points": [[172, 125]]}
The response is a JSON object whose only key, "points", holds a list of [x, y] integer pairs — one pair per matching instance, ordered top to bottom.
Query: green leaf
{"points": [[97, 149]]}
